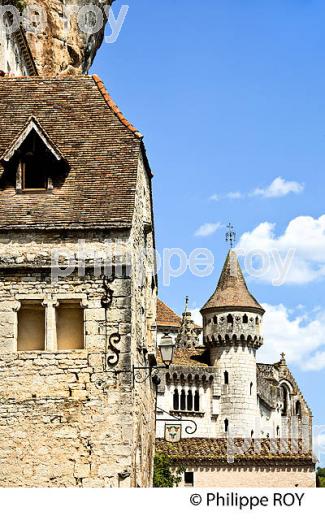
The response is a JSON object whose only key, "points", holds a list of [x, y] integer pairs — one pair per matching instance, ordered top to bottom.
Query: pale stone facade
{"points": [[250, 476]]}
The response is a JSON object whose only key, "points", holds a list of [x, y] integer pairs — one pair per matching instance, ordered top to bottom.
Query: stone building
{"points": [[75, 204], [256, 410]]}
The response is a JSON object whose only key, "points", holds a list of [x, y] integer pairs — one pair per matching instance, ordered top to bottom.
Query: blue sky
{"points": [[230, 95]]}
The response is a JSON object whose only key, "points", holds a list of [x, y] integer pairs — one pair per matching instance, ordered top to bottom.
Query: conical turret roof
{"points": [[232, 290]]}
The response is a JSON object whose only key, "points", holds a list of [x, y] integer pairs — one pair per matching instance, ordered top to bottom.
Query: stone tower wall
{"points": [[233, 337]]}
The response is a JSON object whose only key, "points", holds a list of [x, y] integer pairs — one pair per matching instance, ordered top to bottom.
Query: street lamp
{"points": [[167, 349]]}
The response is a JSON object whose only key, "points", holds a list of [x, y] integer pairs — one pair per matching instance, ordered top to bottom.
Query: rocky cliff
{"points": [[59, 41]]}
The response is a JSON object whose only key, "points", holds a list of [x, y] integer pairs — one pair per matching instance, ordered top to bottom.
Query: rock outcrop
{"points": [[58, 42]]}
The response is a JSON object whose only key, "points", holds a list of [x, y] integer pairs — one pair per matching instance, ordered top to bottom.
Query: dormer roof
{"points": [[32, 124], [232, 291]]}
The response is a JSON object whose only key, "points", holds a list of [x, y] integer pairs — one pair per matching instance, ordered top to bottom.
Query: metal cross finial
{"points": [[231, 235]]}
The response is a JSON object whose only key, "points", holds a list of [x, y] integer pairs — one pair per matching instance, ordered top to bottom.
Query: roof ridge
{"points": [[113, 106]]}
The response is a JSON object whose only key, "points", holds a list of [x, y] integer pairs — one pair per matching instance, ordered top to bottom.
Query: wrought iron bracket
{"points": [[107, 298], [113, 356], [190, 429]]}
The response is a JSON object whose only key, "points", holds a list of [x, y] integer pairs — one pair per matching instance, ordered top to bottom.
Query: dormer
{"points": [[33, 160]]}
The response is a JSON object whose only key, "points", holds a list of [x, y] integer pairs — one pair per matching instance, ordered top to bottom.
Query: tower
{"points": [[232, 332], [188, 335]]}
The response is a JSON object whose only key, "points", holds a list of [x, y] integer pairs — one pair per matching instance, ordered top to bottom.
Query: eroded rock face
{"points": [[59, 41]]}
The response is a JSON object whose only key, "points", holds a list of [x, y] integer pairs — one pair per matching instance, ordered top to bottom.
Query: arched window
{"points": [[245, 318], [230, 319], [215, 320], [257, 320], [226, 378], [251, 389], [176, 400], [183, 400], [285, 400], [190, 401], [197, 401], [298, 408], [226, 425], [278, 431], [252, 433]]}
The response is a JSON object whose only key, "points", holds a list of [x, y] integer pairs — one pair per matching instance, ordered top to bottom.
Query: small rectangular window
{"points": [[31, 326], [70, 326], [189, 478]]}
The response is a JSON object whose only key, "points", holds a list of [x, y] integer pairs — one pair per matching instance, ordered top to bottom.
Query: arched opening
{"points": [[245, 318], [230, 319], [215, 320], [257, 320], [226, 378], [251, 388], [176, 400], [183, 400], [285, 400], [190, 401], [197, 401], [298, 408], [226, 425], [278, 431], [252, 433]]}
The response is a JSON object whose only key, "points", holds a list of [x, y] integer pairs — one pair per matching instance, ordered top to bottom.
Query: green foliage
{"points": [[321, 472], [165, 475], [320, 477]]}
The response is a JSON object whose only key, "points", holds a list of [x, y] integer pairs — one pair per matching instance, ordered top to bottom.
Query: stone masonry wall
{"points": [[143, 338], [66, 418]]}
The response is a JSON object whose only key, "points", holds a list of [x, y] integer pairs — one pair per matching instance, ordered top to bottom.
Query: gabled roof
{"points": [[32, 124], [101, 148], [232, 291], [166, 317]]}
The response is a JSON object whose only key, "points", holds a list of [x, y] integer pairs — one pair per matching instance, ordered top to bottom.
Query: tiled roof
{"points": [[101, 147], [232, 290], [166, 317], [191, 357], [217, 451]]}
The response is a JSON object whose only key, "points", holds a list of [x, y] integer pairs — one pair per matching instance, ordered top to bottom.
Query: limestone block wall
{"points": [[143, 325], [238, 394], [66, 417], [252, 476]]}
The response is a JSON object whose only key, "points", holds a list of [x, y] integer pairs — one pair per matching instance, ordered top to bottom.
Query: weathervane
{"points": [[231, 235]]}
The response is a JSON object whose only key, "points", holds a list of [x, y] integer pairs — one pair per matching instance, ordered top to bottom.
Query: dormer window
{"points": [[35, 159], [32, 173]]}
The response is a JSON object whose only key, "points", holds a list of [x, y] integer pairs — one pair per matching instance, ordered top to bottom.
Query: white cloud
{"points": [[278, 188], [235, 195], [216, 197], [207, 229], [295, 257], [197, 316], [299, 334], [301, 337]]}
